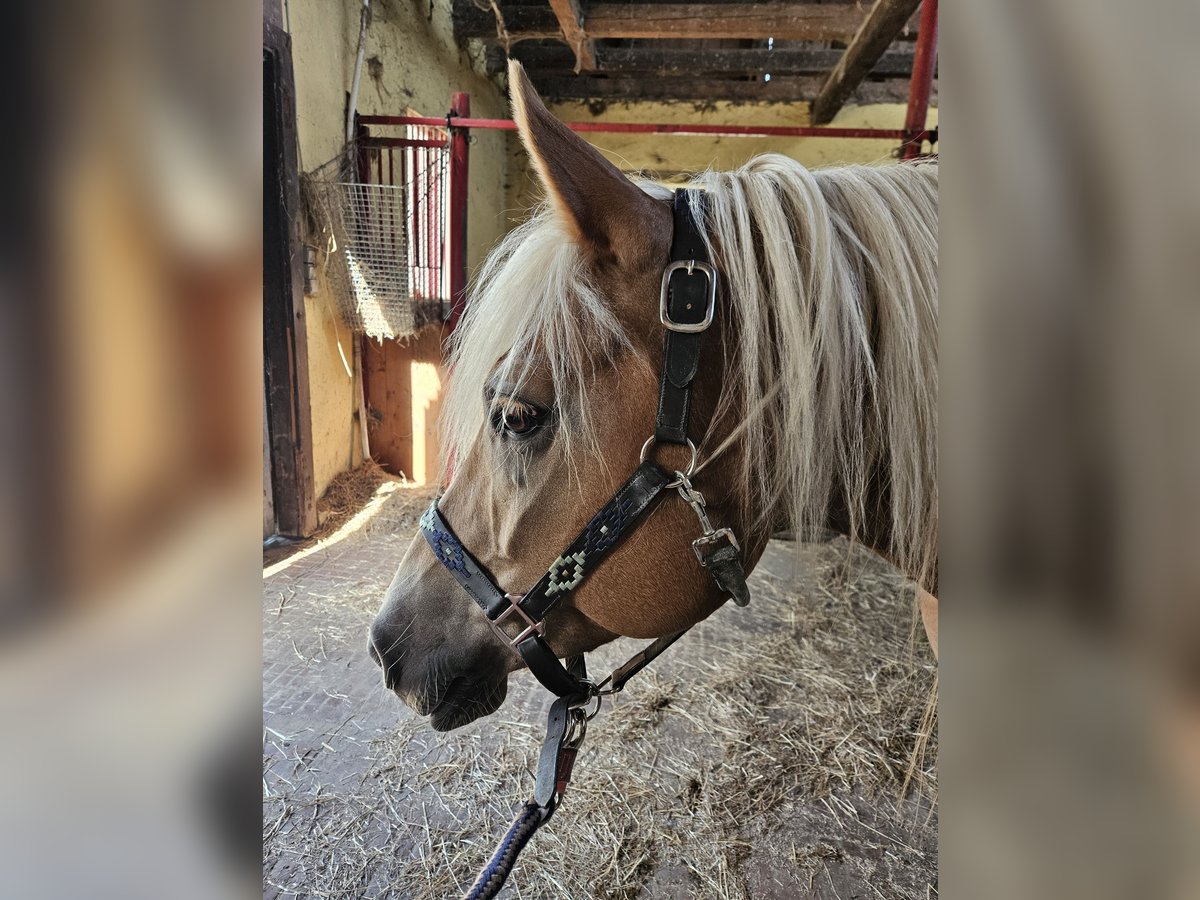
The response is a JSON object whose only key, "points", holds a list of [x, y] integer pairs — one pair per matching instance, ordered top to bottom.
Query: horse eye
{"points": [[517, 419]]}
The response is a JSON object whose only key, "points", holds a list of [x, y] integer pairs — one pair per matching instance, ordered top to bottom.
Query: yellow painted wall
{"points": [[418, 66], [667, 156]]}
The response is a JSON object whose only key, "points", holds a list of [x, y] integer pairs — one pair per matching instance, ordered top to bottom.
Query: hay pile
{"points": [[349, 492], [783, 750]]}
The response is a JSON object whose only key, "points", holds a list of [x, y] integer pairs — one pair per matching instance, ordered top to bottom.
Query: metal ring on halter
{"points": [[691, 469], [595, 696], [576, 729]]}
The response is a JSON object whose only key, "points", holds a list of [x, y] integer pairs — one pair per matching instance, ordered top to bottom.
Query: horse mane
{"points": [[830, 280]]}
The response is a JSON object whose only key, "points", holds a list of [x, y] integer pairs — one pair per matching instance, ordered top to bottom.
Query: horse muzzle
{"points": [[452, 673]]}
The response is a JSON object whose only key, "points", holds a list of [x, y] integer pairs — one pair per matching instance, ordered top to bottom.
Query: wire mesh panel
{"points": [[381, 207], [376, 258]]}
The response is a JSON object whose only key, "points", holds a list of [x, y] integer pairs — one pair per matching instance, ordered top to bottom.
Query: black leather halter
{"points": [[687, 307]]}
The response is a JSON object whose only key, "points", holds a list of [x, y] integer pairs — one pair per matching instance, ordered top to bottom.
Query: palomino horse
{"points": [[816, 406]]}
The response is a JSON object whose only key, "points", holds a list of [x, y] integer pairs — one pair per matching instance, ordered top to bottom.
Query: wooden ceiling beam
{"points": [[570, 20], [782, 21], [881, 26], [619, 60], [660, 62], [632, 88], [635, 88]]}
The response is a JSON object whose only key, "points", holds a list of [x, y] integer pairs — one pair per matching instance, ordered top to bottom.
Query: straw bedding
{"points": [[783, 750]]}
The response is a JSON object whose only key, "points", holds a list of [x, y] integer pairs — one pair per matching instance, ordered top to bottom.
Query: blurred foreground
{"points": [[1070, 433], [130, 464]]}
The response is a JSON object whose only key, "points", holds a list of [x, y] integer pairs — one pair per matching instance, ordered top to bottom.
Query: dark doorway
{"points": [[288, 430]]}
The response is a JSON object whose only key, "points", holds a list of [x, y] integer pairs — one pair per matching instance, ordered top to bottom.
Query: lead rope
{"points": [[566, 726], [492, 878]]}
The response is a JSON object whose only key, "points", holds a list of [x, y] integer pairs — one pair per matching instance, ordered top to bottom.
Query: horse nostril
{"points": [[384, 647]]}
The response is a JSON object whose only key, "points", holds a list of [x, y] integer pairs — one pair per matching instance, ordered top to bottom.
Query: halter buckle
{"points": [[691, 267], [531, 627]]}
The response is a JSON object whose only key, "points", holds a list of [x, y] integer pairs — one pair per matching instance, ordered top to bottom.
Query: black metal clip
{"points": [[707, 544]]}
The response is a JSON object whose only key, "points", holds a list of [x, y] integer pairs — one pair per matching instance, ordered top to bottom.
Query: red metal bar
{"points": [[924, 63], [460, 111], [889, 134], [385, 143], [419, 203], [426, 222], [414, 225], [439, 259], [444, 273]]}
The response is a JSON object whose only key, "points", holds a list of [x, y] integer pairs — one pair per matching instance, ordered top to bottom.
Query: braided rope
{"points": [[492, 878]]}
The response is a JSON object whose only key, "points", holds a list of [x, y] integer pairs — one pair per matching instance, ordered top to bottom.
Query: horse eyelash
{"points": [[502, 411]]}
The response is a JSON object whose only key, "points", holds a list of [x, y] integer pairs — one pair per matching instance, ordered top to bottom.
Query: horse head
{"points": [[553, 392]]}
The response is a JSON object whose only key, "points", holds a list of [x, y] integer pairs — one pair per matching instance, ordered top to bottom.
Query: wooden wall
{"points": [[403, 381]]}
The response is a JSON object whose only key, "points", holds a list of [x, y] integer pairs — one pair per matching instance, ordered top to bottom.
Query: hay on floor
{"points": [[787, 747]]}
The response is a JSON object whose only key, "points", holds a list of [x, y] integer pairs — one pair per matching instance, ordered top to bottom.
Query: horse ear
{"points": [[604, 211]]}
